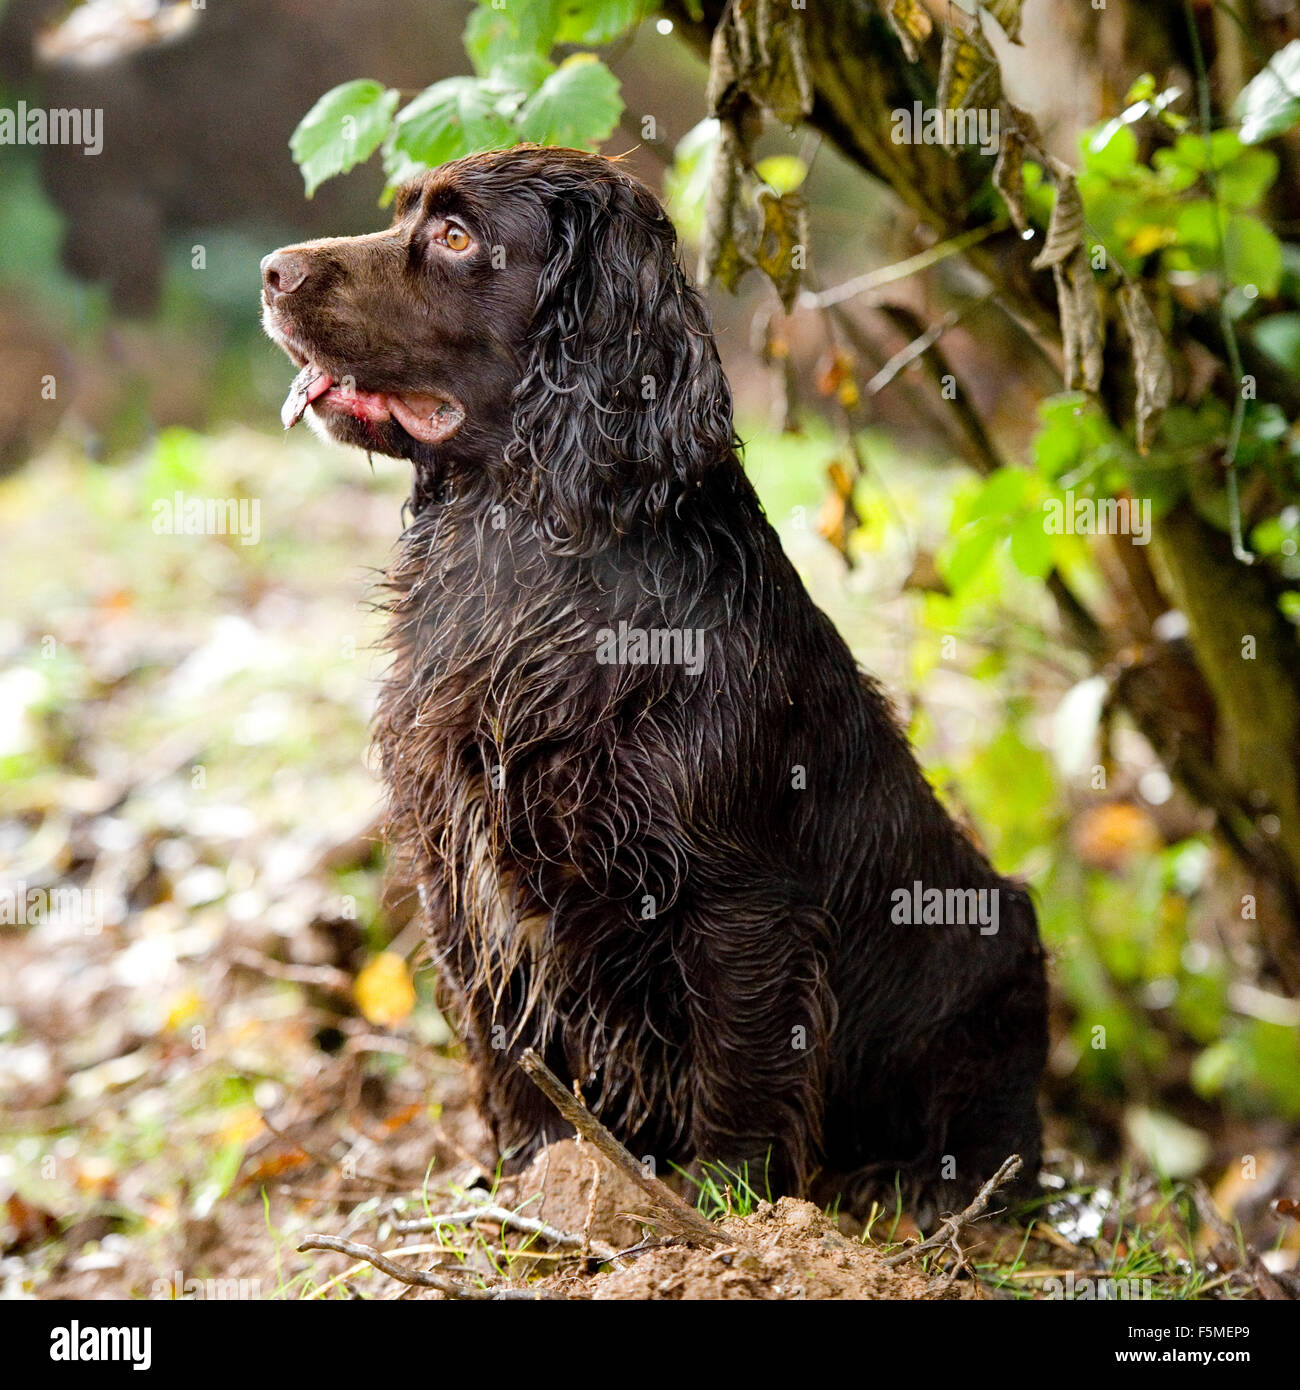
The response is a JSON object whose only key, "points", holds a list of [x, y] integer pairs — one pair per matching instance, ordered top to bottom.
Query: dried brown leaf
{"points": [[911, 21], [758, 52], [968, 71], [1019, 135], [1065, 229], [784, 234], [729, 243], [1081, 321], [1154, 375], [839, 517]]}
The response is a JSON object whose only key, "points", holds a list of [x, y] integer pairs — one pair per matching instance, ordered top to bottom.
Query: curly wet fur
{"points": [[677, 887]]}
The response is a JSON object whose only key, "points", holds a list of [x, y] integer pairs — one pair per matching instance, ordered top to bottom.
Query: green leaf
{"points": [[597, 21], [494, 36], [520, 72], [1270, 102], [577, 105], [455, 117], [344, 128], [1112, 150], [1194, 151], [782, 173], [686, 182], [1243, 182], [1200, 227], [1252, 254], [1279, 336], [1002, 495], [1031, 546], [966, 555]]}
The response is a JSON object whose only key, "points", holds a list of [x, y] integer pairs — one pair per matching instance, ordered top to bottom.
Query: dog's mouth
{"points": [[427, 417]]}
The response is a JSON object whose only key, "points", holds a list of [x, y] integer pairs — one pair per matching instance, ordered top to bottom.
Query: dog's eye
{"points": [[455, 238]]}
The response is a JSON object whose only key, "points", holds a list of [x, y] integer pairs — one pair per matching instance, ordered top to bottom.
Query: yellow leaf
{"points": [[1150, 238], [383, 990], [184, 1007], [241, 1126], [97, 1175]]}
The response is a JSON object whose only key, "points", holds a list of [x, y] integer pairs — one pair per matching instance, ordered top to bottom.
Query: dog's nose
{"points": [[282, 273]]}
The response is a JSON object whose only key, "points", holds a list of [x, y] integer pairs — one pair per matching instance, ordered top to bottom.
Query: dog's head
{"points": [[524, 316]]}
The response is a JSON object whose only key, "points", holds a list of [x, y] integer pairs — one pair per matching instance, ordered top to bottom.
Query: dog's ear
{"points": [[623, 406]]}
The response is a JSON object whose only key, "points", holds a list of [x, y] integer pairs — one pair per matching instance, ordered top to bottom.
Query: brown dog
{"points": [[665, 831]]}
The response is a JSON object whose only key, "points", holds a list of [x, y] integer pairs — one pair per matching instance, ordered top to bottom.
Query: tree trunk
{"points": [[1222, 713]]}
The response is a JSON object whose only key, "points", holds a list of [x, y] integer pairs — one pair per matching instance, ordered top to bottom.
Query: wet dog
{"points": [[665, 831]]}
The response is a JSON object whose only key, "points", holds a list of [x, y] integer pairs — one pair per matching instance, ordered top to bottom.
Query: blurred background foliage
{"points": [[182, 717]]}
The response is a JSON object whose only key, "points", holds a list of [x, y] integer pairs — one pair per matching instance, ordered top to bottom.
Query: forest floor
{"points": [[218, 1050]]}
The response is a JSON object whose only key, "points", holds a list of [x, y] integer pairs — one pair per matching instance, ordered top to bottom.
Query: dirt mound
{"points": [[570, 1187], [793, 1251], [797, 1253]]}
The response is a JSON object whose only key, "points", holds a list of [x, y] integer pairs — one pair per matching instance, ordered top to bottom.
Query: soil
{"points": [[791, 1249]]}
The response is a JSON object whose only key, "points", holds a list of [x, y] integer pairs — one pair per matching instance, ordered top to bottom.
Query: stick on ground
{"points": [[668, 1210], [503, 1216], [946, 1235], [425, 1279]]}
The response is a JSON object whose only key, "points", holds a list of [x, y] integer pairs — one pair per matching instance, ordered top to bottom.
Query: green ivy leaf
{"points": [[597, 21], [493, 36], [520, 72], [1269, 103], [578, 105], [455, 117], [345, 127], [1193, 151], [1000, 496]]}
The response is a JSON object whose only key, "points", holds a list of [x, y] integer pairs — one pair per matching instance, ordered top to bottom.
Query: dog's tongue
{"points": [[307, 385], [428, 418]]}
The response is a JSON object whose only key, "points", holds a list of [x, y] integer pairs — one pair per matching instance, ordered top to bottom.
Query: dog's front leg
{"points": [[761, 1014]]}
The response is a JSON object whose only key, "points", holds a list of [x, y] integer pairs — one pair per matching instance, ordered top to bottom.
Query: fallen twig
{"points": [[667, 1208], [488, 1211], [946, 1236], [421, 1278]]}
